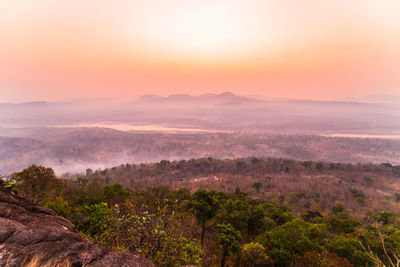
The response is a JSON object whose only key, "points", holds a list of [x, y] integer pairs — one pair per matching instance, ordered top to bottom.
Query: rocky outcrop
{"points": [[31, 235]]}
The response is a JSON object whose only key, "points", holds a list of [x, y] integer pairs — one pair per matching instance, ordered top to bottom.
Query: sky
{"points": [[309, 49]]}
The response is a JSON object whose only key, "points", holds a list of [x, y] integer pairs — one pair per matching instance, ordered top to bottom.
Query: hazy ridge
{"points": [[184, 126]]}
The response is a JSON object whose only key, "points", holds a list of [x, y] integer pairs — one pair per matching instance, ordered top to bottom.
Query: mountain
{"points": [[148, 97], [375, 98], [205, 99], [225, 111]]}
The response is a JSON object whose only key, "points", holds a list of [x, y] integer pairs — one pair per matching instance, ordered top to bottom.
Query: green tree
{"points": [[37, 183], [116, 193], [204, 206], [235, 213], [280, 215], [100, 217], [384, 217], [248, 218], [257, 221], [339, 221], [158, 235], [294, 237], [229, 238], [381, 242], [350, 248], [178, 251], [255, 254]]}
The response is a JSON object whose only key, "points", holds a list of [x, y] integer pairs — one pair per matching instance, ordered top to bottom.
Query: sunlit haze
{"points": [[312, 49]]}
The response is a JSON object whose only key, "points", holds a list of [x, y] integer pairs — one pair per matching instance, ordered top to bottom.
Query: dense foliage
{"points": [[208, 228]]}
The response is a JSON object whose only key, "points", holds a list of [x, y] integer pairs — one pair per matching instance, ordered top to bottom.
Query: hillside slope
{"points": [[365, 188], [31, 235]]}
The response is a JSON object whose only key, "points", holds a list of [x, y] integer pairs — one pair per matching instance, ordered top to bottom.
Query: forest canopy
{"points": [[207, 227]]}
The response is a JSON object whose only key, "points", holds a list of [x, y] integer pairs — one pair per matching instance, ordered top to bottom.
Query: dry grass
{"points": [[39, 261]]}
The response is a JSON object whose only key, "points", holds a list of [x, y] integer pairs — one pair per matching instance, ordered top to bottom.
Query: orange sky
{"points": [[316, 49]]}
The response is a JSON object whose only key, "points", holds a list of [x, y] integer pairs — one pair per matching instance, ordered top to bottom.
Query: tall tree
{"points": [[37, 183], [204, 206], [229, 239]]}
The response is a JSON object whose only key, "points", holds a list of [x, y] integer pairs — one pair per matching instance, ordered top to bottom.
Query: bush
{"points": [[255, 254]]}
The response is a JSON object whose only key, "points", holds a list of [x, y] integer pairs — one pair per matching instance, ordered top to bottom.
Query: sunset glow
{"points": [[53, 50]]}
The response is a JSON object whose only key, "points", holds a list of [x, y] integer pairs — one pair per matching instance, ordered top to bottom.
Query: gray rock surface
{"points": [[31, 235]]}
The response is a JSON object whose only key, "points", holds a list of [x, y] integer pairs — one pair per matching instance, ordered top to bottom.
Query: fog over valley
{"points": [[72, 136]]}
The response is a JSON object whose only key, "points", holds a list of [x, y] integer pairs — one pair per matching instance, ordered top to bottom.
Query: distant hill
{"points": [[376, 98], [205, 99], [225, 111]]}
